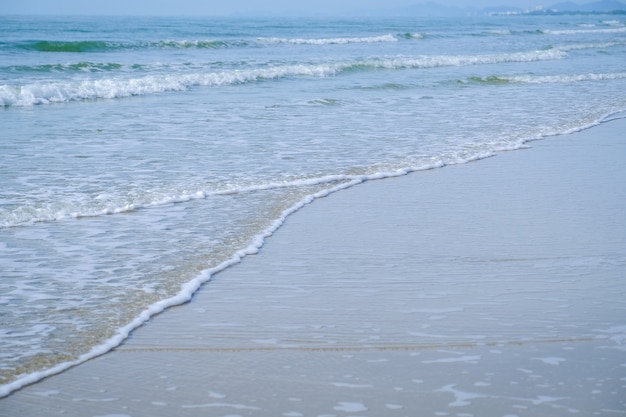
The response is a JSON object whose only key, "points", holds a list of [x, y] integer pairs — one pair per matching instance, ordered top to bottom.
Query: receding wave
{"points": [[330, 41], [58, 92], [30, 213]]}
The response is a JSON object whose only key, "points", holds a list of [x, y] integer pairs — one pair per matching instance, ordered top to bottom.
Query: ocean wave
{"points": [[613, 23], [582, 31], [499, 32], [411, 36], [330, 41], [198, 44], [605, 45], [70, 46], [92, 46], [107, 46], [434, 61], [82, 66], [537, 79], [544, 79], [65, 91]]}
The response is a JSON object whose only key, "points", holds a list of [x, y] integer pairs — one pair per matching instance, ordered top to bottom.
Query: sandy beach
{"points": [[494, 288]]}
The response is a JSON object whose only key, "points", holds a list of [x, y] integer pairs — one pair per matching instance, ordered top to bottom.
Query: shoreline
{"points": [[417, 228]]}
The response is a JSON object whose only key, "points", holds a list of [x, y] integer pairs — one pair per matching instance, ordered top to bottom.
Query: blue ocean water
{"points": [[140, 155]]}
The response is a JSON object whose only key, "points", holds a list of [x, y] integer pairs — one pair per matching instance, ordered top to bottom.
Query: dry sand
{"points": [[495, 288]]}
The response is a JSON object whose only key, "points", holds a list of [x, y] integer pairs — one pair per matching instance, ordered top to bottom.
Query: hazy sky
{"points": [[225, 7]]}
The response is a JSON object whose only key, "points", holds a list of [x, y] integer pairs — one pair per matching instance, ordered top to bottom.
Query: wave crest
{"points": [[330, 41], [74, 46], [58, 92]]}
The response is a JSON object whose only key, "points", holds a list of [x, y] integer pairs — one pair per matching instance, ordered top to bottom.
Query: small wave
{"points": [[613, 23], [582, 31], [499, 32], [491, 33], [411, 36], [329, 41], [198, 44], [605, 45], [72, 46], [105, 46], [434, 61], [74, 67], [568, 78], [492, 79], [545, 79], [387, 86], [325, 102]]}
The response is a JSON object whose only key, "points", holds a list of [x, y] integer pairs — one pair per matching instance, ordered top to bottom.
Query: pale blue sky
{"points": [[225, 7]]}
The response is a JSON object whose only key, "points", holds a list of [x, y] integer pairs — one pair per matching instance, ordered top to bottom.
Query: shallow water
{"points": [[136, 153]]}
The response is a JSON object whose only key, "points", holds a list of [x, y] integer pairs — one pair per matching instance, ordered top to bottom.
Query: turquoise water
{"points": [[140, 155]]}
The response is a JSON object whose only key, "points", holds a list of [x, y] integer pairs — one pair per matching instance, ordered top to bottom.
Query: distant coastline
{"points": [[434, 9]]}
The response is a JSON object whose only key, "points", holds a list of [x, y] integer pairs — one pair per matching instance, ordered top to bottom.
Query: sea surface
{"points": [[139, 156]]}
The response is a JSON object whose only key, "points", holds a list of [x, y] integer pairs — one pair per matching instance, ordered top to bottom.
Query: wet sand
{"points": [[495, 288]]}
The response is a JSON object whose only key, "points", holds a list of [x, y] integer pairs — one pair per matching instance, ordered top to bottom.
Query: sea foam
{"points": [[110, 88]]}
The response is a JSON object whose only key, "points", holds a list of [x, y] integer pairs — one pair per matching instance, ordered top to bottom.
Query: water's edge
{"points": [[190, 288]]}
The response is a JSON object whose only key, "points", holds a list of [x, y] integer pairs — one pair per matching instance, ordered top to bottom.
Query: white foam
{"points": [[613, 23], [583, 31], [500, 32], [330, 41], [583, 46], [434, 61], [545, 79], [112, 88], [28, 214], [188, 289], [185, 294], [617, 334], [467, 359], [551, 360], [347, 385], [213, 394], [461, 398], [221, 405], [350, 407], [113, 415]]}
